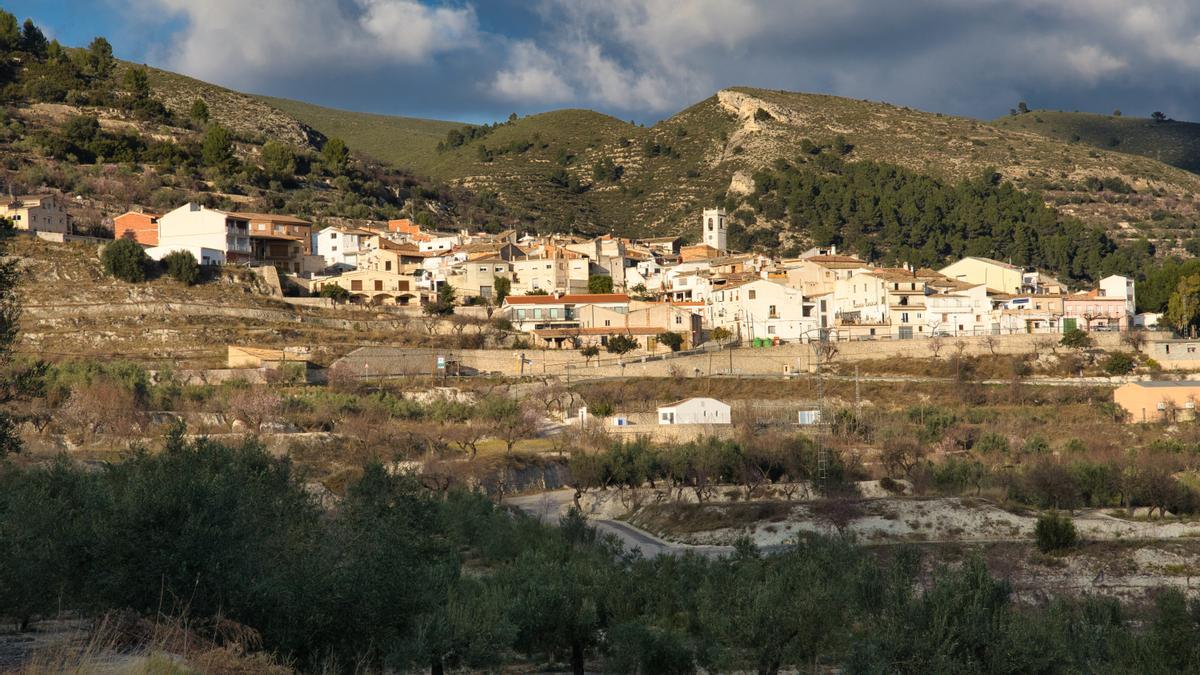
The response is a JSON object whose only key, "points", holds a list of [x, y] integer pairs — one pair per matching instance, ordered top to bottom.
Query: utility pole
{"points": [[857, 397], [822, 442]]}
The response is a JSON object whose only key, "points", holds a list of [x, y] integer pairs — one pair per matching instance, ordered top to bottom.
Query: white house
{"points": [[193, 227], [439, 243], [340, 247], [202, 254], [1117, 286], [764, 309], [966, 311], [695, 411]]}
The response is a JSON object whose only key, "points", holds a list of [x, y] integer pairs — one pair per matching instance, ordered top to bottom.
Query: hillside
{"points": [[243, 114], [400, 141], [1170, 142], [666, 172]]}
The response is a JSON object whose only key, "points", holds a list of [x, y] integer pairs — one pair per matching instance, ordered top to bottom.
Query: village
{"points": [[656, 294]]}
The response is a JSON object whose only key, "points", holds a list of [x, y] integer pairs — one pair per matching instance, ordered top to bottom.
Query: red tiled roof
{"points": [[270, 217], [578, 299], [602, 330]]}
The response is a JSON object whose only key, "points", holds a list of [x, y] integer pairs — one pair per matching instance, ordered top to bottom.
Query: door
{"points": [[906, 332]]}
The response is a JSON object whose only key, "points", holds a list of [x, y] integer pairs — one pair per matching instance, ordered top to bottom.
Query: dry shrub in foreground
{"points": [[123, 642]]}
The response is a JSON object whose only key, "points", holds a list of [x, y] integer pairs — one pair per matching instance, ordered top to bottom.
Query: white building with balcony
{"points": [[193, 227], [341, 246], [762, 309]]}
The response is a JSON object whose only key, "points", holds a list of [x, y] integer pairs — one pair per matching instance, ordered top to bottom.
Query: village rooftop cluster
{"points": [[569, 292]]}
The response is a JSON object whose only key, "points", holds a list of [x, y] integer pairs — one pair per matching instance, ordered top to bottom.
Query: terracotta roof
{"points": [[148, 214], [275, 218], [834, 259], [577, 299], [603, 330]]}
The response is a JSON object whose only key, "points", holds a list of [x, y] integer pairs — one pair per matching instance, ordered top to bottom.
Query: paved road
{"points": [[549, 506]]}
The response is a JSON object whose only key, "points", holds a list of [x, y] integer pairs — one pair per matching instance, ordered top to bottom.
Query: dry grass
{"points": [[124, 644]]}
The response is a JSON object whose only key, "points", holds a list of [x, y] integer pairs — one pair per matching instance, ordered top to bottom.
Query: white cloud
{"points": [[243, 42], [659, 55], [653, 57], [531, 76]]}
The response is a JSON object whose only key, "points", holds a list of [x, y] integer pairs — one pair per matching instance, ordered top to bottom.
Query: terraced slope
{"points": [[1170, 142]]}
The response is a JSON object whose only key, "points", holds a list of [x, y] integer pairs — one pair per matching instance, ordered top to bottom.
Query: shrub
{"points": [[126, 260], [182, 267], [335, 293], [671, 339], [1076, 339], [621, 344], [1119, 363], [992, 442], [1055, 532]]}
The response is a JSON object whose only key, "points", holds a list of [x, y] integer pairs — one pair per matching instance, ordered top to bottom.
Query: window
{"points": [[387, 265], [356, 285], [378, 285], [753, 294], [771, 312], [537, 313], [520, 314], [678, 319], [607, 322], [770, 330]]}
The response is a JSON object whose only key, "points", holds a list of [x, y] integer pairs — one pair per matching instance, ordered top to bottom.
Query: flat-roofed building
{"points": [[1159, 400]]}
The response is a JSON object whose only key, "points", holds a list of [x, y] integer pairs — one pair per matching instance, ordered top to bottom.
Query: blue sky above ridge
{"points": [[646, 59]]}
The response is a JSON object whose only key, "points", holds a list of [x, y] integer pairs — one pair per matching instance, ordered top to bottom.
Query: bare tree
{"points": [[459, 323], [1134, 339], [936, 343], [991, 343], [826, 350], [102, 405], [254, 405], [466, 436], [902, 456]]}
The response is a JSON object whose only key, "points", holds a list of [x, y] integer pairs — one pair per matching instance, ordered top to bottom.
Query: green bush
{"points": [[126, 260], [182, 267], [334, 292], [671, 339], [1076, 339], [621, 344], [1119, 363], [1055, 532]]}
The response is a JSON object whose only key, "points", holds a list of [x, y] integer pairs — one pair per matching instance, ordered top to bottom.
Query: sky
{"points": [[644, 60]]}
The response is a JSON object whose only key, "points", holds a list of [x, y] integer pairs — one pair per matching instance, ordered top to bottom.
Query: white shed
{"points": [[695, 411]]}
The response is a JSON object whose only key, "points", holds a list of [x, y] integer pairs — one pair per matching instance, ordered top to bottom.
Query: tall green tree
{"points": [[10, 32], [33, 40], [99, 58], [138, 83], [199, 111], [217, 149], [335, 155], [279, 161], [600, 283], [503, 287], [1183, 309]]}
